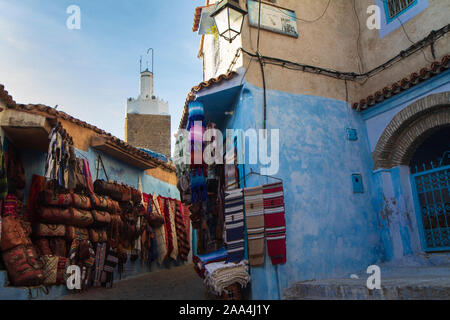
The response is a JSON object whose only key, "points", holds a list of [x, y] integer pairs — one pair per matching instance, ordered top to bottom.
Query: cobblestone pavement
{"points": [[177, 283]]}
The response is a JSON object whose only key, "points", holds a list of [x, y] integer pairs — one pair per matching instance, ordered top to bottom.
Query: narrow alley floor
{"points": [[177, 283]]}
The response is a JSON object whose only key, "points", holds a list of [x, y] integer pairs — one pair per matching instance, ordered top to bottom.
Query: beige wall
{"points": [[332, 41], [375, 51]]}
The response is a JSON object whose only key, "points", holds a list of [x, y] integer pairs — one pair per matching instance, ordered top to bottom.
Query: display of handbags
{"points": [[24, 267]]}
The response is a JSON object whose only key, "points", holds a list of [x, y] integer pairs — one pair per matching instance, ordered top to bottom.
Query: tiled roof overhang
{"points": [[197, 17], [415, 78], [198, 88], [5, 97], [53, 113]]}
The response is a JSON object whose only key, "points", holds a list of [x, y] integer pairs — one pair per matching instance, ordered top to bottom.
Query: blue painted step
{"points": [[24, 293]]}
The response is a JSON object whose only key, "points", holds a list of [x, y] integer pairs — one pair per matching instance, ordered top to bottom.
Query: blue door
{"points": [[432, 199]]}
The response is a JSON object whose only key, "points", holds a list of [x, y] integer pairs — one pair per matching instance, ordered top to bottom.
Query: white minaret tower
{"points": [[146, 85], [147, 122]]}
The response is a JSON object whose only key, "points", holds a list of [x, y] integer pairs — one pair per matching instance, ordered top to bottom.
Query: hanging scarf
{"points": [[88, 176]]}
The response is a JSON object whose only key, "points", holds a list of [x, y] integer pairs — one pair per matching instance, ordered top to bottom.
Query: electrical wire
{"points": [[309, 21], [408, 37], [431, 38], [360, 66]]}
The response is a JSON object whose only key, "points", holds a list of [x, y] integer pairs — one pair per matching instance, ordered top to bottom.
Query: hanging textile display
{"points": [[198, 167], [3, 174], [164, 202], [172, 213], [254, 213], [275, 223], [234, 225], [160, 232], [183, 244], [100, 255]]}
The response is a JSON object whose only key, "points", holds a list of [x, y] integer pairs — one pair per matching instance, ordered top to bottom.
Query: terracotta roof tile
{"points": [[197, 17], [415, 78], [198, 88], [5, 97], [39, 109]]}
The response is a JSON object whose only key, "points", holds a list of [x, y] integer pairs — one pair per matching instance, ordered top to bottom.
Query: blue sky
{"points": [[91, 72]]}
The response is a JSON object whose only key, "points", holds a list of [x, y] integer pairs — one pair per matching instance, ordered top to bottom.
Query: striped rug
{"points": [[254, 213], [275, 222], [234, 225]]}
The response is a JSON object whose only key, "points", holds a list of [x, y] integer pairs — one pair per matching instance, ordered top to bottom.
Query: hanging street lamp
{"points": [[229, 18]]}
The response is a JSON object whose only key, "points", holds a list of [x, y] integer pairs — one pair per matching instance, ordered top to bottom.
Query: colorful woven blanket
{"points": [[254, 213], [275, 222], [234, 225]]}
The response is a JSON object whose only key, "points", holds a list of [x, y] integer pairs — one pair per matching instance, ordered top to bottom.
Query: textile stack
{"points": [[200, 261], [220, 275]]}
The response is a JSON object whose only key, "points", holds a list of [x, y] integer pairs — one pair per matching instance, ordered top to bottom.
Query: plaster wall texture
{"points": [[332, 42], [376, 50], [147, 106], [149, 131], [330, 229]]}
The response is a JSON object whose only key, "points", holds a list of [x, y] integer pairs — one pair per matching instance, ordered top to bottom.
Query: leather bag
{"points": [[48, 198], [81, 202], [99, 203], [55, 215], [81, 218], [101, 218], [50, 230], [12, 233], [73, 233], [98, 235], [43, 247], [58, 247], [24, 267], [49, 269], [61, 275]]}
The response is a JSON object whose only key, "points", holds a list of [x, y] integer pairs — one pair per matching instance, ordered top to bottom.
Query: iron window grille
{"points": [[395, 7]]}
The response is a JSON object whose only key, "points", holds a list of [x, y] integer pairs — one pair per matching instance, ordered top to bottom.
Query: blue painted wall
{"points": [[394, 200], [330, 230]]}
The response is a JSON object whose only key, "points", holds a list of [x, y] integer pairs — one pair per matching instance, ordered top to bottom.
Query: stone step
{"points": [[399, 284]]}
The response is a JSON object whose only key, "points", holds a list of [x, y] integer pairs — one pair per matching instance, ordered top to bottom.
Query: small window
{"points": [[396, 7]]}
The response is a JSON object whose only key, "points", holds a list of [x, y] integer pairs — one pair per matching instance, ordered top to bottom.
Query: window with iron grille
{"points": [[395, 7]]}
